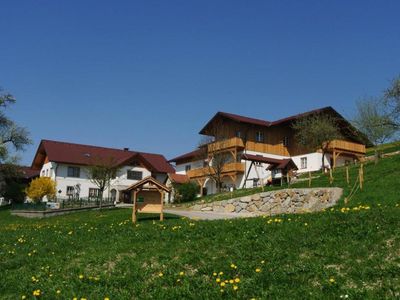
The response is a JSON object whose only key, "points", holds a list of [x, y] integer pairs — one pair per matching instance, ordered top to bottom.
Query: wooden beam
{"points": [[247, 175], [162, 206], [134, 207]]}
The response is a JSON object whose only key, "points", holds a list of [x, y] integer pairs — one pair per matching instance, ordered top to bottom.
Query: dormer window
{"points": [[259, 136]]}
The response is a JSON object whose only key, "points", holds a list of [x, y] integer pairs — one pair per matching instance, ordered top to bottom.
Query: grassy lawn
{"points": [[385, 148], [352, 250]]}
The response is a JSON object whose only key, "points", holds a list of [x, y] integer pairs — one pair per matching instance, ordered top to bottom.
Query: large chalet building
{"points": [[260, 151], [67, 163]]}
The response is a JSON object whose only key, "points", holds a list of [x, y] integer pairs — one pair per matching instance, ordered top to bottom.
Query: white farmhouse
{"points": [[67, 163]]}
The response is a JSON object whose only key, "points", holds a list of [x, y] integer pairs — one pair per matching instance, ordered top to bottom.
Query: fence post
{"points": [[347, 175], [330, 176], [309, 178]]}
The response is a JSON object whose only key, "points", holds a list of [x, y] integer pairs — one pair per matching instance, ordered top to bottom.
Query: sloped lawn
{"points": [[351, 250]]}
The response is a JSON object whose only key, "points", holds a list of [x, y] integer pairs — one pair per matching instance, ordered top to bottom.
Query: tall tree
{"points": [[392, 101], [372, 120], [315, 132], [12, 138], [214, 153], [101, 172]]}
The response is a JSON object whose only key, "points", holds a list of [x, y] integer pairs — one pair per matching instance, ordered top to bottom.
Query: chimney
{"points": [[126, 149]]}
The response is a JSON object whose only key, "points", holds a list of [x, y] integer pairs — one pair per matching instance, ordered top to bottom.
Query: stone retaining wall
{"points": [[277, 202]]}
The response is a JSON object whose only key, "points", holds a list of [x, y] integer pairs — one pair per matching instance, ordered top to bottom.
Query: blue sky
{"points": [[148, 75]]}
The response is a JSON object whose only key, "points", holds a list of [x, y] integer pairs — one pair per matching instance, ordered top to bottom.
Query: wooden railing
{"points": [[225, 144], [347, 146], [235, 167]]}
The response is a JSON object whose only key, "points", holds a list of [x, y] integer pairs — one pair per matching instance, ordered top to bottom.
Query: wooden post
{"points": [[334, 160], [347, 175], [330, 176], [361, 176], [288, 178], [309, 178], [162, 206], [134, 207]]}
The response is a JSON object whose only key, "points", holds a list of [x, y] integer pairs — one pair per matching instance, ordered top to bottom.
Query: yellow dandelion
{"points": [[263, 261], [232, 265], [258, 270], [181, 273], [160, 274], [215, 274], [81, 276], [217, 280], [237, 280], [332, 280], [231, 281], [222, 284], [235, 287], [58, 292], [23, 297], [106, 298]]}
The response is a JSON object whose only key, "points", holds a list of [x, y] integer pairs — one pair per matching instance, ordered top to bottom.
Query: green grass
{"points": [[385, 148], [356, 247]]}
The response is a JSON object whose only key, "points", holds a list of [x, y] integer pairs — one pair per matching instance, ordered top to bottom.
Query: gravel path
{"points": [[197, 215], [205, 215]]}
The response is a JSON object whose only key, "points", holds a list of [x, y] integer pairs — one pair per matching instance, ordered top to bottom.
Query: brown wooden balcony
{"points": [[231, 143], [346, 146], [229, 168]]}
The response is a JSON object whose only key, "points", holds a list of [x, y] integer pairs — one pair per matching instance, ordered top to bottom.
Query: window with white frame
{"points": [[259, 136], [303, 162], [188, 168], [74, 172], [134, 175], [70, 190], [94, 193]]}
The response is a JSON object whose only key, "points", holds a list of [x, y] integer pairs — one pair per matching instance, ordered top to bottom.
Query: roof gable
{"points": [[79, 154]]}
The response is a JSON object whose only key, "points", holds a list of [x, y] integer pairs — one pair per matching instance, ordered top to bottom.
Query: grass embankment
{"points": [[385, 148], [379, 180], [353, 250]]}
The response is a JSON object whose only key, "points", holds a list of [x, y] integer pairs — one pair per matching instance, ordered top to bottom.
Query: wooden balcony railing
{"points": [[234, 142], [340, 145], [235, 167]]}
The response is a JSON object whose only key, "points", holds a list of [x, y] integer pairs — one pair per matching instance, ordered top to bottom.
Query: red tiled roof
{"points": [[305, 114], [237, 118], [79, 154], [188, 155], [261, 159], [274, 162], [29, 173], [178, 178]]}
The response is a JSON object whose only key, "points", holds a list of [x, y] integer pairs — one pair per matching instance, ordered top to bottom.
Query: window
{"points": [[239, 134], [259, 136], [285, 141], [303, 162], [188, 168], [43, 172], [74, 172], [134, 175], [70, 191], [94, 193]]}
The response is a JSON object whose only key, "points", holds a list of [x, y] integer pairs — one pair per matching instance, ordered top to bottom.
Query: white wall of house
{"points": [[181, 168], [59, 173]]}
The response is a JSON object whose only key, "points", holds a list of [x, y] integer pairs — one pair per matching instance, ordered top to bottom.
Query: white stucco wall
{"points": [[181, 168], [59, 173]]}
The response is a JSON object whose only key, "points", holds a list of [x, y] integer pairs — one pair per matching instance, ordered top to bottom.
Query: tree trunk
{"points": [[376, 158], [323, 161]]}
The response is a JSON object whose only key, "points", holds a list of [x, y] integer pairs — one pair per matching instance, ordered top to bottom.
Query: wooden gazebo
{"points": [[147, 197]]}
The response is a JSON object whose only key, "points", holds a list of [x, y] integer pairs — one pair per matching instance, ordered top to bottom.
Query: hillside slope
{"points": [[351, 250]]}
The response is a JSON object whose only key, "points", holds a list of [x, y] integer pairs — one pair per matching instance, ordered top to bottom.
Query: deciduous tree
{"points": [[372, 120], [315, 132], [101, 172]]}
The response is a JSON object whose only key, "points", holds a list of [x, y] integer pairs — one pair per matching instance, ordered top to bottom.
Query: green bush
{"points": [[186, 191]]}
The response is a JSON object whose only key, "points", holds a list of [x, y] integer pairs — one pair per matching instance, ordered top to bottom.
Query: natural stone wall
{"points": [[277, 202]]}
